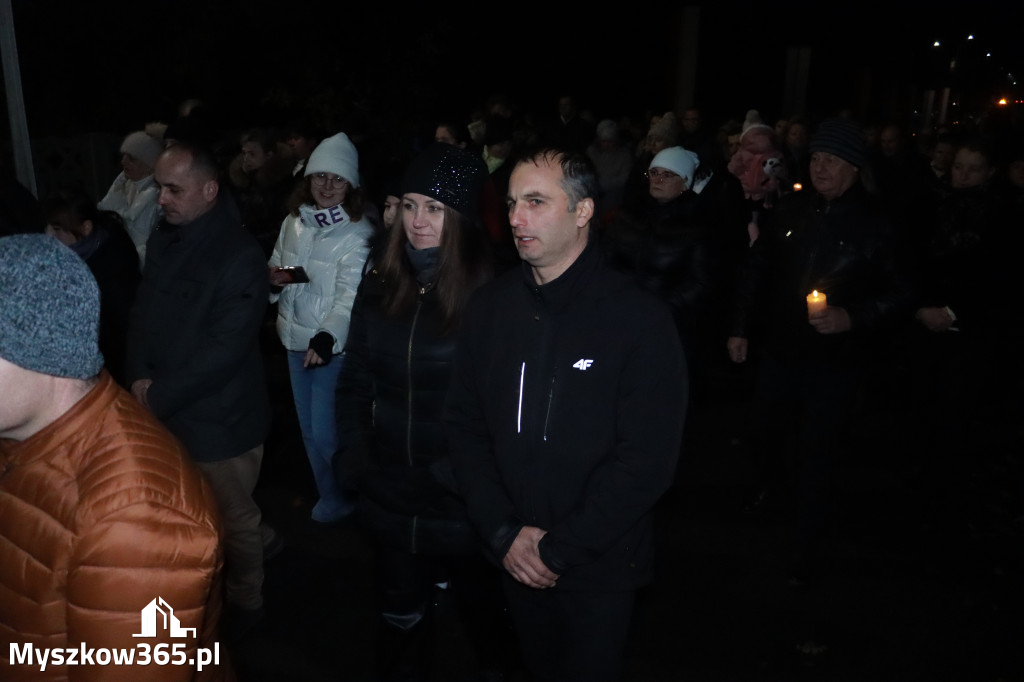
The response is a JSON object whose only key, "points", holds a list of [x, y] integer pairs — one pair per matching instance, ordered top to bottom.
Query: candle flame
{"points": [[815, 294]]}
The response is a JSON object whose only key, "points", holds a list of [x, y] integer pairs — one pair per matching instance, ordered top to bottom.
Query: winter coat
{"points": [[263, 195], [135, 202], [845, 248], [333, 257], [114, 263], [195, 333], [391, 397], [566, 413], [101, 512]]}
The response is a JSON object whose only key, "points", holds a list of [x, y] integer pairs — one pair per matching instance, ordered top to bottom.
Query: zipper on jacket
{"points": [[408, 373], [547, 413], [519, 416]]}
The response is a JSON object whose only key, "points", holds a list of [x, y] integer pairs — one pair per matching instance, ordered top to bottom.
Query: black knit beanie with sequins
{"points": [[450, 174]]}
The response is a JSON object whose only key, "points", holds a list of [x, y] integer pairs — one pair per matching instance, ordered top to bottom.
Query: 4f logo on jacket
{"points": [[582, 364]]}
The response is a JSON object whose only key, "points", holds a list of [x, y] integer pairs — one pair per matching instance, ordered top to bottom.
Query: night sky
{"points": [[111, 66]]}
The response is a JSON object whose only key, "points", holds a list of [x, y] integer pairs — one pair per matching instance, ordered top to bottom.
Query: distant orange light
{"points": [[1002, 102], [797, 186]]}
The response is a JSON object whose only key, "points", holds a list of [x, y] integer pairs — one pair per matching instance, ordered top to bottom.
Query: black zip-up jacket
{"points": [[846, 248], [566, 412], [393, 446]]}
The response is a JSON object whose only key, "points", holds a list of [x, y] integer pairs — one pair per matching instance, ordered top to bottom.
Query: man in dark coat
{"points": [[835, 240], [193, 351], [565, 418]]}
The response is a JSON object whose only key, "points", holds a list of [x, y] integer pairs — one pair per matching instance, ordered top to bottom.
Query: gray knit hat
{"points": [[843, 138], [49, 308]]}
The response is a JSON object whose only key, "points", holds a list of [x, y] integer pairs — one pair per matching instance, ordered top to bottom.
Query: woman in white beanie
{"points": [[133, 193], [664, 240], [315, 269]]}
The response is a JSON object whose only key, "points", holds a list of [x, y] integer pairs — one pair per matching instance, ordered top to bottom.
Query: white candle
{"points": [[815, 302]]}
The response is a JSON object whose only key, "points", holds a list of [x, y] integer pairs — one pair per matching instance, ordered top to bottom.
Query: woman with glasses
{"points": [[664, 240], [315, 270]]}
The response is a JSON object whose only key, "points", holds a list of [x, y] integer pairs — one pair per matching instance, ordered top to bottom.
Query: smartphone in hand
{"points": [[293, 274]]}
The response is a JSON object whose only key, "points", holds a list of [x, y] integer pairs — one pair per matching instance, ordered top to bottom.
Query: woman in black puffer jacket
{"points": [[390, 397]]}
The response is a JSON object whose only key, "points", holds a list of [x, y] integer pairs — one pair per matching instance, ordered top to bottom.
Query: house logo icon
{"points": [[151, 619]]}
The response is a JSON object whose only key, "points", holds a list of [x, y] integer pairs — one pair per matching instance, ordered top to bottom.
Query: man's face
{"points": [[797, 136], [891, 141], [301, 145], [253, 156], [942, 156], [970, 169], [831, 175], [184, 193], [547, 234], [21, 410]]}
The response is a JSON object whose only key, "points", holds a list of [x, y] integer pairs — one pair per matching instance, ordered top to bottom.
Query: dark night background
{"points": [[111, 66]]}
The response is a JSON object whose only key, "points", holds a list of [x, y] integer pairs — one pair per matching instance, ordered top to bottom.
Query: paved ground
{"points": [[908, 590]]}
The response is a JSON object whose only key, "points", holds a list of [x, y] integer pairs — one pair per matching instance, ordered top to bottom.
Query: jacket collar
{"points": [[560, 292], [55, 437]]}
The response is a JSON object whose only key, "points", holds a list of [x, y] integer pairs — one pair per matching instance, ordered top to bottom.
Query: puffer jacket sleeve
{"points": [[277, 255], [346, 282], [139, 545]]}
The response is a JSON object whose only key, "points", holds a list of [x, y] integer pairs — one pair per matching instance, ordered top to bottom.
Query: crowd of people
{"points": [[493, 337]]}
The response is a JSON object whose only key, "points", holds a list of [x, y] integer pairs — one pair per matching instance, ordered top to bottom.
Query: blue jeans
{"points": [[313, 389]]}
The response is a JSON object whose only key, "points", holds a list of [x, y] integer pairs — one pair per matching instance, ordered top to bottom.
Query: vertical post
{"points": [[686, 64], [798, 66], [927, 112], [21, 143]]}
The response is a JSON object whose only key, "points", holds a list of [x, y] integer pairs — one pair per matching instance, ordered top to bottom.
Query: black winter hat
{"points": [[843, 138], [450, 174]]}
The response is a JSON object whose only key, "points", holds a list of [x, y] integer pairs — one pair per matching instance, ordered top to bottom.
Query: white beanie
{"points": [[143, 146], [335, 155], [680, 161]]}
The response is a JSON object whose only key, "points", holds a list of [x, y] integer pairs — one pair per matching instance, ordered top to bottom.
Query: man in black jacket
{"points": [[836, 240], [193, 352], [565, 419]]}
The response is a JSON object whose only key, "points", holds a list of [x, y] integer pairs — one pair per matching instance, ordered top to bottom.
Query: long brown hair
{"points": [[464, 264]]}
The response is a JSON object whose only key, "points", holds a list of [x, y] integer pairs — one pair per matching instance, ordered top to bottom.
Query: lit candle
{"points": [[797, 187], [815, 302]]}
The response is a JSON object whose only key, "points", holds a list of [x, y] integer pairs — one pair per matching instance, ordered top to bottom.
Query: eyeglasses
{"points": [[657, 174], [321, 179]]}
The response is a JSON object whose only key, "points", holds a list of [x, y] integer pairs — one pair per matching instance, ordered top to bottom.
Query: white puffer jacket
{"points": [[333, 257]]}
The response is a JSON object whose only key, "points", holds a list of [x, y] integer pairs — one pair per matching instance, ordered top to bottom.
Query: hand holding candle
{"points": [[816, 302], [824, 318]]}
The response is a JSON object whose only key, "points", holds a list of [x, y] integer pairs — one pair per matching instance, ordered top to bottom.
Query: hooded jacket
{"points": [[566, 413]]}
